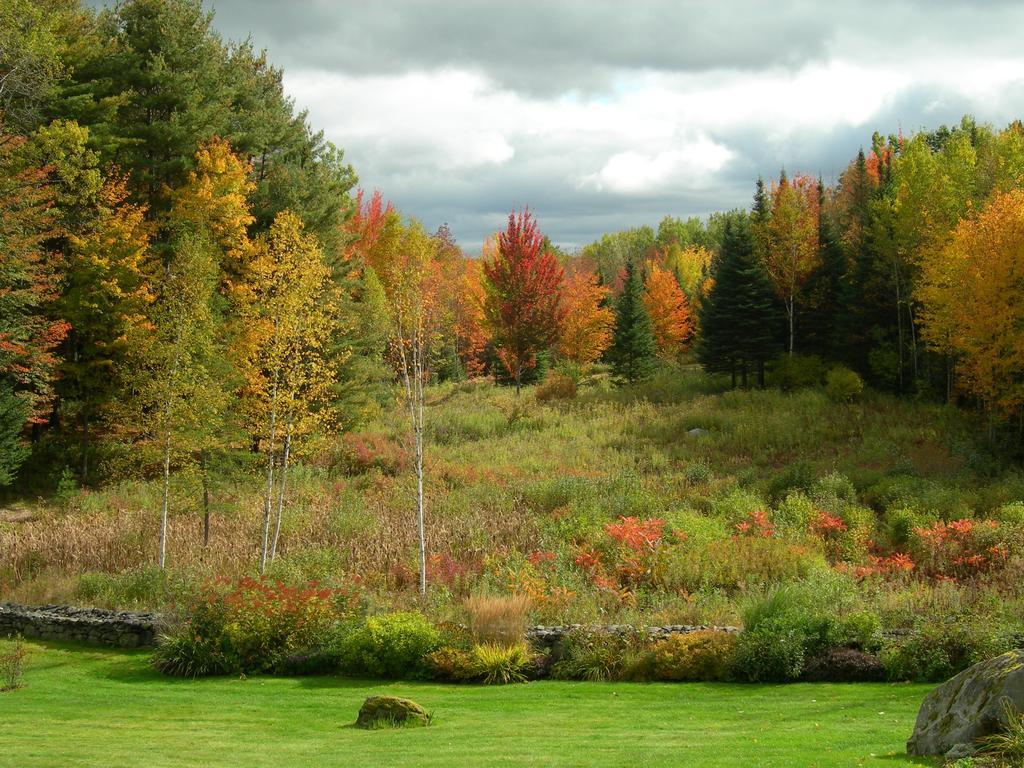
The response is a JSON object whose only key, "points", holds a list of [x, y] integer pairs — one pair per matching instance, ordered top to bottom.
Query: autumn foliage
{"points": [[523, 298], [670, 312], [588, 320]]}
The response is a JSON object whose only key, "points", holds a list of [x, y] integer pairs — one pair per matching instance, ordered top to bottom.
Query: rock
{"points": [[696, 432], [844, 665], [969, 706], [391, 712], [959, 752]]}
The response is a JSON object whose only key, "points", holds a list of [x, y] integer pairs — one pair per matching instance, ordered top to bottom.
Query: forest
{"points": [[225, 366]]}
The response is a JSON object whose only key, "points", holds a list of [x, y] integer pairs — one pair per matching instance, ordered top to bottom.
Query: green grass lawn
{"points": [[87, 707]]}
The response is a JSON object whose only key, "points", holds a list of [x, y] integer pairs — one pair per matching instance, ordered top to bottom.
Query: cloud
{"points": [[603, 114]]}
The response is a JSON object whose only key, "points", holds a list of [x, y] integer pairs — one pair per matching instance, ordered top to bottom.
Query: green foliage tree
{"points": [[740, 317], [633, 353]]}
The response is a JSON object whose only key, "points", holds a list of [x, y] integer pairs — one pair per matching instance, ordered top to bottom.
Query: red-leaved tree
{"points": [[522, 305]]}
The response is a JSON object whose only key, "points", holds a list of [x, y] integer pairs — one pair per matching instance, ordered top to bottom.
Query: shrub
{"points": [[790, 372], [843, 385], [557, 386], [363, 451], [698, 472], [833, 487], [794, 514], [1011, 514], [498, 619], [250, 626], [390, 645], [772, 652], [933, 652], [602, 655], [694, 656], [495, 663], [12, 665], [454, 665], [843, 665]]}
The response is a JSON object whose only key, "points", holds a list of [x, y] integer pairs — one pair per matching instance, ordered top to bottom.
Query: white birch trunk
{"points": [[280, 491]]}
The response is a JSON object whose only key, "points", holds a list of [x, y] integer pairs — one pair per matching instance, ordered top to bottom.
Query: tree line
{"points": [[187, 271]]}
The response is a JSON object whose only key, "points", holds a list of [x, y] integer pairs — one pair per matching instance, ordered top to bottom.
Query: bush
{"points": [[791, 372], [843, 385], [557, 386], [698, 472], [794, 514], [1011, 514], [738, 563], [250, 626], [390, 645], [773, 652], [933, 652], [599, 655], [694, 656], [494, 663], [12, 665], [453, 665], [843, 665]]}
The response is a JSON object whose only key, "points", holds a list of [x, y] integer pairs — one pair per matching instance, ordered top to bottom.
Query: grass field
{"points": [[88, 707]]}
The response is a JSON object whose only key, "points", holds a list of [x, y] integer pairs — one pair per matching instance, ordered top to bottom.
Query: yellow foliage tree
{"points": [[972, 299], [671, 320]]}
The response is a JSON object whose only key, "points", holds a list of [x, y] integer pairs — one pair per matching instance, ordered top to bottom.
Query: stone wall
{"points": [[121, 629], [127, 629], [551, 637]]}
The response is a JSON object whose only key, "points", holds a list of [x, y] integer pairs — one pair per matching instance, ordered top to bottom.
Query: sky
{"points": [[602, 115]]}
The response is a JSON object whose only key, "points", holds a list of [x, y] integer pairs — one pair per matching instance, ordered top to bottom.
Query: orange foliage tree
{"points": [[671, 319], [588, 320], [471, 332]]}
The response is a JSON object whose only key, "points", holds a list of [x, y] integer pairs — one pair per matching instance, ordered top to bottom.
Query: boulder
{"points": [[697, 432], [969, 706], [391, 712]]}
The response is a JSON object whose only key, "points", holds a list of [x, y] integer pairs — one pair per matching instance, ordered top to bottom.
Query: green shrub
{"points": [[791, 372], [843, 385], [698, 472], [833, 487], [1011, 514], [794, 515], [898, 526], [861, 630], [390, 645], [935, 651], [773, 652], [597, 655], [694, 656], [494, 663]]}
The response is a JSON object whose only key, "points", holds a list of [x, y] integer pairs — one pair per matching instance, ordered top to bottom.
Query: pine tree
{"points": [[740, 317], [633, 351]]}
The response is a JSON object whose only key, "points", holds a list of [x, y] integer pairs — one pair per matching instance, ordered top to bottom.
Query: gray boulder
{"points": [[969, 706], [391, 712]]}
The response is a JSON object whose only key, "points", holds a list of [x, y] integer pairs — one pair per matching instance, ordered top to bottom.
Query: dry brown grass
{"points": [[498, 619]]}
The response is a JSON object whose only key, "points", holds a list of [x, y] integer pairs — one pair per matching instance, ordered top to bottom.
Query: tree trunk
{"points": [[790, 310], [280, 491], [206, 498], [166, 500], [268, 501]]}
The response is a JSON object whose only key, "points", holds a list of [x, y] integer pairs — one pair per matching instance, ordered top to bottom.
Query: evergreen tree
{"points": [[740, 318], [633, 351]]}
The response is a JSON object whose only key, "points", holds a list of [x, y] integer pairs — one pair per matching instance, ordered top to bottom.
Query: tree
{"points": [[791, 255], [405, 259], [522, 285], [973, 303], [669, 312], [739, 318], [588, 321], [286, 324], [29, 334], [473, 337], [633, 350]]}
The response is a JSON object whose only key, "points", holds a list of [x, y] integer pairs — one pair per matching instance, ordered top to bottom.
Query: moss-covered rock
{"points": [[969, 705], [391, 712]]}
